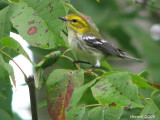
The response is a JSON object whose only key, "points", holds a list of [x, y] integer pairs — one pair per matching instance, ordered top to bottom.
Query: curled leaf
{"points": [[47, 61]]}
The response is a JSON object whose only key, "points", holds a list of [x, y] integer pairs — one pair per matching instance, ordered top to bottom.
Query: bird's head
{"points": [[76, 23]]}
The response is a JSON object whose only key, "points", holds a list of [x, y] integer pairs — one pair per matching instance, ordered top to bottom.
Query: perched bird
{"points": [[88, 43]]}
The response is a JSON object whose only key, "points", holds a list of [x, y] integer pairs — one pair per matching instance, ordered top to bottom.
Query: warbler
{"points": [[88, 43]]}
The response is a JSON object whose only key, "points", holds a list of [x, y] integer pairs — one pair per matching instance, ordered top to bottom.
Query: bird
{"points": [[88, 43]]}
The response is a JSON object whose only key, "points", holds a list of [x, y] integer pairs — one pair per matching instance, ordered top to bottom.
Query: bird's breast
{"points": [[79, 46]]}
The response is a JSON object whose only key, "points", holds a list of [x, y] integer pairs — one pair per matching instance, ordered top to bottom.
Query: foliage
{"points": [[72, 94]]}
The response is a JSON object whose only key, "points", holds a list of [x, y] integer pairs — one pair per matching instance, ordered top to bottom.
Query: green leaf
{"points": [[14, 0], [3, 4], [72, 8], [38, 23], [5, 24], [9, 42], [11, 52], [47, 61], [107, 65], [8, 68], [112, 72], [145, 74], [140, 82], [60, 85], [117, 89], [6, 91], [79, 92], [1, 95], [156, 99], [42, 104], [150, 111], [75, 112], [96, 113], [108, 113], [113, 113], [4, 115]]}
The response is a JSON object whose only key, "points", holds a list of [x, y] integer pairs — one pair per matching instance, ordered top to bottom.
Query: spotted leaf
{"points": [[37, 22], [10, 43], [60, 85], [117, 89], [150, 111], [75, 112], [107, 113]]}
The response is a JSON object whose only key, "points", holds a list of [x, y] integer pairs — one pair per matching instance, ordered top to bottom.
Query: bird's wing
{"points": [[102, 45]]}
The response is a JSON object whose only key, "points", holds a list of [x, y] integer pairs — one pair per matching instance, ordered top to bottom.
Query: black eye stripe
{"points": [[74, 20]]}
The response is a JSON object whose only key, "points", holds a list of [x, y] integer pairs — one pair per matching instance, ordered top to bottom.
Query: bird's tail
{"points": [[124, 55], [131, 58]]}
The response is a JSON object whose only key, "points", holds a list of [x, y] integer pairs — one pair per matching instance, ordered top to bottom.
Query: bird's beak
{"points": [[63, 18]]}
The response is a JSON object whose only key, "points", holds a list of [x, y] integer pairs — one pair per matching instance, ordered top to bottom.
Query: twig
{"points": [[66, 51], [63, 55], [71, 60], [14, 63], [88, 71], [32, 91], [92, 105]]}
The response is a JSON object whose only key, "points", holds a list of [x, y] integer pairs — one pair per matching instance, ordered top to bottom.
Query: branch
{"points": [[32, 91]]}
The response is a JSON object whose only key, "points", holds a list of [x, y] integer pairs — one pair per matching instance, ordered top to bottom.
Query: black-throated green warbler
{"points": [[88, 43]]}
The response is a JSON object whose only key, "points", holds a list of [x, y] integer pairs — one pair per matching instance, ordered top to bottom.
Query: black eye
{"points": [[74, 20]]}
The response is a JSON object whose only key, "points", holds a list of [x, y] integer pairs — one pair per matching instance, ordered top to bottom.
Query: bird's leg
{"points": [[78, 61], [94, 67]]}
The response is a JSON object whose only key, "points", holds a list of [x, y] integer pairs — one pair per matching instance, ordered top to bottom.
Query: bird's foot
{"points": [[90, 71]]}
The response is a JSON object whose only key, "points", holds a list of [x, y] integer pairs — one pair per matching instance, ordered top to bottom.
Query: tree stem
{"points": [[32, 91]]}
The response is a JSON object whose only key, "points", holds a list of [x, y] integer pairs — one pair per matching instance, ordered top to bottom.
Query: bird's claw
{"points": [[74, 63], [90, 72]]}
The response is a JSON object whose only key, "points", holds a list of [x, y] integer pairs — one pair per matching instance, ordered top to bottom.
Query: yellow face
{"points": [[77, 23]]}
